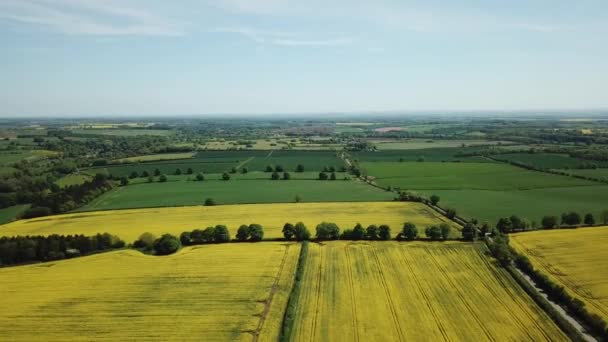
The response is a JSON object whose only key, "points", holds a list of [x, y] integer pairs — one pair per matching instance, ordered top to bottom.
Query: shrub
{"points": [[209, 202], [36, 212], [328, 231], [255, 232], [145, 241], [167, 244]]}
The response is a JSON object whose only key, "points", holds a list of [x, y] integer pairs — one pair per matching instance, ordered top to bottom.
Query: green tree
{"points": [[269, 168], [278, 168], [300, 168], [332, 169], [233, 170], [244, 170], [178, 171], [189, 171], [157, 172], [145, 174], [133, 175], [226, 176], [275, 176], [286, 176], [323, 176], [332, 176], [200, 177], [162, 178], [150, 179], [124, 181], [298, 199], [434, 199], [209, 202], [450, 213], [605, 216], [571, 218], [589, 219], [549, 222], [504, 225], [445, 230], [288, 231], [327, 231], [256, 232], [358, 232], [372, 232], [384, 232], [410, 232], [433, 232], [469, 232], [221, 233], [301, 233], [242, 234], [209, 235], [197, 236], [185, 239], [145, 241], [167, 244]]}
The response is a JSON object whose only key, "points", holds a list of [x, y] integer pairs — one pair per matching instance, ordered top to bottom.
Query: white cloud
{"points": [[86, 17]]}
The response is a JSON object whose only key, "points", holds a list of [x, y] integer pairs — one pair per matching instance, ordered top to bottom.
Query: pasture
{"points": [[127, 132], [418, 144], [427, 155], [11, 157], [156, 157], [592, 173], [73, 179], [180, 193], [11, 213], [130, 224], [577, 259], [413, 292], [205, 293]]}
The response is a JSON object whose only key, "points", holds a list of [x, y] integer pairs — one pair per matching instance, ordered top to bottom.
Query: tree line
{"points": [[568, 219], [26, 249]]}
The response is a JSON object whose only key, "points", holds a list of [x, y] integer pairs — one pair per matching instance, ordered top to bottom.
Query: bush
{"points": [[225, 176], [200, 177], [162, 178], [209, 202], [36, 212], [549, 222], [289, 231], [328, 231], [409, 231], [242, 233], [221, 234], [145, 241], [167, 244]]}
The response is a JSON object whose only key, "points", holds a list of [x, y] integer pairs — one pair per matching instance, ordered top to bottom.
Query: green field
{"points": [[123, 132], [418, 144], [430, 154], [11, 157], [156, 157], [311, 160], [548, 160], [165, 167], [593, 173], [73, 179], [489, 191], [179, 193], [10, 213]]}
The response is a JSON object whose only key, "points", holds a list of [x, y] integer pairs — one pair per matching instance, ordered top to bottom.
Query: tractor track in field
{"points": [[273, 290], [318, 292], [352, 294], [460, 296], [426, 297], [391, 304]]}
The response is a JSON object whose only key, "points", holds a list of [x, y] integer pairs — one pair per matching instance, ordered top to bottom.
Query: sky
{"points": [[155, 57]]}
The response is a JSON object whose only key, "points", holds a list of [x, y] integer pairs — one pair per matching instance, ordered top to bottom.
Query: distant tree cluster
{"points": [[569, 219], [253, 232], [298, 232], [217, 234], [165, 245], [24, 249]]}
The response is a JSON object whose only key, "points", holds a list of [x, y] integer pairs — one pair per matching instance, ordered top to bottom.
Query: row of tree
{"points": [[569, 219], [25, 249]]}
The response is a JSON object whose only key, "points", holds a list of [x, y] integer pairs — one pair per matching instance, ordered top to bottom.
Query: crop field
{"points": [[123, 132], [418, 144], [428, 155], [156, 157], [311, 160], [548, 160], [167, 167], [593, 173], [474, 176], [73, 179], [488, 191], [182, 193], [10, 213], [130, 224], [574, 258], [413, 292], [126, 295]]}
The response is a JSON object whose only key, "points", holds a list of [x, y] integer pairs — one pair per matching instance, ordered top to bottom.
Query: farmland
{"points": [[128, 132], [417, 144], [427, 155], [156, 157], [548, 160], [591, 173], [488, 191], [130, 224], [575, 258], [413, 291], [126, 295]]}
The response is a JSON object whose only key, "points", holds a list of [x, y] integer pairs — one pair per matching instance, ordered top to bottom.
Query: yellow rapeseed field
{"points": [[130, 224], [577, 259], [391, 291], [205, 293]]}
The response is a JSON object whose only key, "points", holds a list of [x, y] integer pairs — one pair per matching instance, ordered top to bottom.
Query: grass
{"points": [[428, 155], [11, 157], [156, 157], [311, 160], [548, 160], [167, 167], [473, 176], [73, 179], [182, 193], [11, 213], [130, 224], [577, 259], [413, 292], [208, 293]]}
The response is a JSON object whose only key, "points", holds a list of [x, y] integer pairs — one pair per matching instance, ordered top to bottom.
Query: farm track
{"points": [[244, 162], [273, 290], [387, 292], [318, 296], [461, 296], [426, 297], [353, 299]]}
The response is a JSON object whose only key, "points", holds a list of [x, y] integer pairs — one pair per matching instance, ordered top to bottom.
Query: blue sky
{"points": [[158, 57]]}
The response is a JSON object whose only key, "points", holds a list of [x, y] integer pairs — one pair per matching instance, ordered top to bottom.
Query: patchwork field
{"points": [[123, 132], [416, 144], [428, 155], [156, 157], [548, 160], [593, 173], [488, 191], [130, 224], [575, 258], [413, 292], [205, 293]]}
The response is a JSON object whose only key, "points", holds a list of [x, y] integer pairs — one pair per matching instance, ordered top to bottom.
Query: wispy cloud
{"points": [[86, 17], [283, 38]]}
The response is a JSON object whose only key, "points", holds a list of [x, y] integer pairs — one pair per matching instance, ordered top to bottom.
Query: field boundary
{"points": [[294, 296]]}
